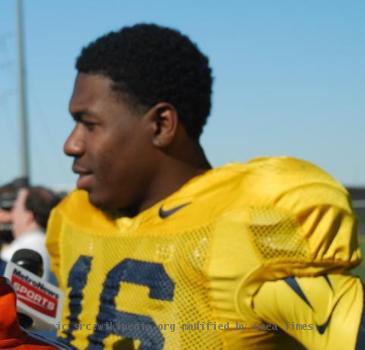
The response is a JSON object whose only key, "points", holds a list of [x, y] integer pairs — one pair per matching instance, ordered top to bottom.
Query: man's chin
{"points": [[96, 201], [100, 202], [109, 208]]}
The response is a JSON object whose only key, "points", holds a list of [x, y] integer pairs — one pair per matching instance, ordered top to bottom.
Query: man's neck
{"points": [[173, 173], [32, 227]]}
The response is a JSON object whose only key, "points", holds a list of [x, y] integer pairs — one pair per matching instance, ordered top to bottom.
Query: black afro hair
{"points": [[151, 64]]}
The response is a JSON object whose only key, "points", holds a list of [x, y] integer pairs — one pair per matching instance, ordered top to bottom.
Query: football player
{"points": [[157, 250]]}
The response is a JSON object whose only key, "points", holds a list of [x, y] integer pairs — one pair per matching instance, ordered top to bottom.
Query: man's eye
{"points": [[88, 125]]}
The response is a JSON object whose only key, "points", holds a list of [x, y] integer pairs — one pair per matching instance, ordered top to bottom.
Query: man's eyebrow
{"points": [[77, 116]]}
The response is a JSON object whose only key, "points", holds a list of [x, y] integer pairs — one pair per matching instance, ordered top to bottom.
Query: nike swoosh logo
{"points": [[166, 213], [294, 285], [322, 327]]}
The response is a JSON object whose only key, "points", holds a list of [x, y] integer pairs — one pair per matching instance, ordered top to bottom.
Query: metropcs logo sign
{"points": [[34, 293]]}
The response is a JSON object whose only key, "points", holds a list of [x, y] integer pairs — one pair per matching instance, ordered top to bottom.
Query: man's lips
{"points": [[80, 170], [85, 177], [84, 181]]}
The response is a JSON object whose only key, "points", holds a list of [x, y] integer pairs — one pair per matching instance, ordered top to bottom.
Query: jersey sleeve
{"points": [[301, 210], [326, 222], [299, 223], [300, 226], [324, 312]]}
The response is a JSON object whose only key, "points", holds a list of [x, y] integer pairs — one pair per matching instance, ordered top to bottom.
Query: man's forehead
{"points": [[88, 88]]}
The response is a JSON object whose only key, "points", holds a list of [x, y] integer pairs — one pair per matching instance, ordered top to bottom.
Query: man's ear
{"points": [[164, 121]]}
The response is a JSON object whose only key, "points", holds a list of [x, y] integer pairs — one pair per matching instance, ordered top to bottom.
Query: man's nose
{"points": [[75, 144]]}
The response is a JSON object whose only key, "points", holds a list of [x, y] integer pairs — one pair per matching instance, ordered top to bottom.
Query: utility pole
{"points": [[22, 97]]}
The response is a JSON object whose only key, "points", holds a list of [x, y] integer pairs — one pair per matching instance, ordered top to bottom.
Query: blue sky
{"points": [[289, 77]]}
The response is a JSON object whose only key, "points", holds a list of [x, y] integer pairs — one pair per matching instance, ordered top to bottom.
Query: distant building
{"points": [[358, 203]]}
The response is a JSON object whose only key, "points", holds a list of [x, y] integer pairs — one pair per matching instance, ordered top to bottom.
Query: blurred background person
{"points": [[8, 194], [29, 216], [5, 227]]}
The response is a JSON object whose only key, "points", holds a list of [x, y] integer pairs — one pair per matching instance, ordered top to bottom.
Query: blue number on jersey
{"points": [[77, 280], [110, 320]]}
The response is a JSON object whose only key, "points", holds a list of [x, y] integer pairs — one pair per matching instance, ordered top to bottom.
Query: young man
{"points": [[156, 250]]}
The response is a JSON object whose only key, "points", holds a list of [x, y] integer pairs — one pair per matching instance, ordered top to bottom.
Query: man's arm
{"points": [[324, 312]]}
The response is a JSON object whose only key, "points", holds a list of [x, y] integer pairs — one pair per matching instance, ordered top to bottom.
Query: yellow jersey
{"points": [[245, 256]]}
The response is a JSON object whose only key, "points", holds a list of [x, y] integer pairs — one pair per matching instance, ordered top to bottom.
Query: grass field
{"points": [[360, 270]]}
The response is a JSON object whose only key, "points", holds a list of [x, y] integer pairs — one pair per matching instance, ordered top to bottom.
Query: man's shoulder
{"points": [[276, 169], [288, 171], [263, 181], [32, 237], [34, 240]]}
